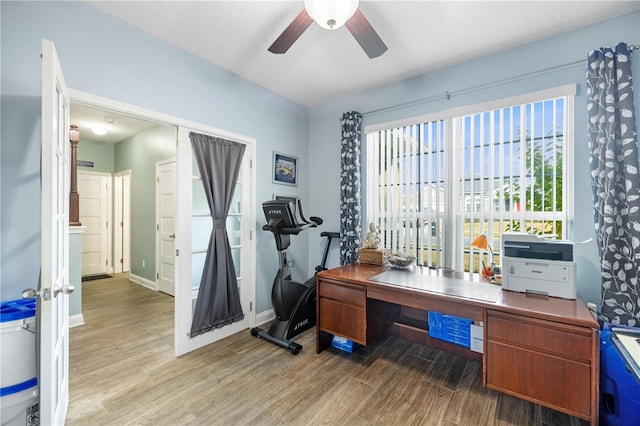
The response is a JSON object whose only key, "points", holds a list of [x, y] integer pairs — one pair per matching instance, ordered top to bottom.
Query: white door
{"points": [[95, 195], [121, 221], [166, 225], [194, 226], [53, 300]]}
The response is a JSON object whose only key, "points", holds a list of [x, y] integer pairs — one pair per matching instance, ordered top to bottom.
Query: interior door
{"points": [[95, 189], [121, 220], [165, 225], [194, 226], [53, 300]]}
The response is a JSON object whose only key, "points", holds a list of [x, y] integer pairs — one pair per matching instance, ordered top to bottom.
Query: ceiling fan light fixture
{"points": [[331, 14]]}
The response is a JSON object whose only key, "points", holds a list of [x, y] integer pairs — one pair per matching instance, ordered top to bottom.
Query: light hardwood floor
{"points": [[123, 372]]}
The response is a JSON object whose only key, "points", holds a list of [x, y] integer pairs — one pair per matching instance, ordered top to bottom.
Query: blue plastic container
{"points": [[450, 328], [344, 344], [18, 382], [619, 385]]}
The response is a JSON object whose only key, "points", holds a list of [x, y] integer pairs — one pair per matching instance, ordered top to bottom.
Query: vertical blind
{"points": [[434, 186], [405, 188]]}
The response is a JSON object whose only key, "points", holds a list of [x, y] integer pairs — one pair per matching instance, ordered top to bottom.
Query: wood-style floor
{"points": [[123, 372]]}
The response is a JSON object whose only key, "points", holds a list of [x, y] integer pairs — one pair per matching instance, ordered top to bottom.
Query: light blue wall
{"points": [[551, 54], [105, 57], [101, 154], [139, 154]]}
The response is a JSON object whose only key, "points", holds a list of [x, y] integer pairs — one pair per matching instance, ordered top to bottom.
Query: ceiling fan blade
{"points": [[291, 33], [365, 35]]}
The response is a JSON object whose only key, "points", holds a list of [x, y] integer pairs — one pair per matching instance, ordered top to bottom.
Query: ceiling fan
{"points": [[332, 14]]}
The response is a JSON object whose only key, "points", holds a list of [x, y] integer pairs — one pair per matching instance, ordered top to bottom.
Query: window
{"points": [[434, 185]]}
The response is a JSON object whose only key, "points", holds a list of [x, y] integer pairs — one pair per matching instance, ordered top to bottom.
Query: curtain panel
{"points": [[614, 177], [350, 213], [218, 304]]}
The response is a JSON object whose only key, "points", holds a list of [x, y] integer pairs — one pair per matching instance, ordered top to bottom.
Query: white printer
{"points": [[533, 264]]}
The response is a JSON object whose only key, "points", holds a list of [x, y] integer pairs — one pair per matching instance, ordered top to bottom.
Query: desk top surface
{"points": [[468, 288]]}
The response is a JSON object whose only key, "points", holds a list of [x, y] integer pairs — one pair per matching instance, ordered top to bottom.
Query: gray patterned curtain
{"points": [[614, 178], [350, 227], [218, 302]]}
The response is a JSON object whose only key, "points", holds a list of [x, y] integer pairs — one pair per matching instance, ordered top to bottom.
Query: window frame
{"points": [[452, 256]]}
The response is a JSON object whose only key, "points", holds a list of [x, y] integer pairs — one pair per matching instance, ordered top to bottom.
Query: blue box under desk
{"points": [[450, 328], [344, 344]]}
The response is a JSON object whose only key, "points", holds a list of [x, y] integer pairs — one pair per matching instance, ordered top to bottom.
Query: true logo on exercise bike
{"points": [[275, 211], [301, 323]]}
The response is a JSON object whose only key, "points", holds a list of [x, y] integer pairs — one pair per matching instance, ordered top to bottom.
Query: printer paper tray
{"points": [[540, 270], [555, 278]]}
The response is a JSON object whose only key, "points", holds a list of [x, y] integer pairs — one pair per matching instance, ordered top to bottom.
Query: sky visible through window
{"points": [[502, 168]]}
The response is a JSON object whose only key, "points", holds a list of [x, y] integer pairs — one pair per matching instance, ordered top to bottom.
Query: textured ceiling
{"points": [[324, 65]]}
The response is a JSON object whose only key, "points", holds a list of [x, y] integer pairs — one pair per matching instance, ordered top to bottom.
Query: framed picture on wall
{"points": [[285, 169]]}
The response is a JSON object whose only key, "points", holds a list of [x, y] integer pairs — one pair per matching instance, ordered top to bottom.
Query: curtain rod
{"points": [[448, 95]]}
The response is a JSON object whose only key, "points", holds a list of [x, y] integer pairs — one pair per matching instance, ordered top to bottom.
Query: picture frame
{"points": [[285, 169]]}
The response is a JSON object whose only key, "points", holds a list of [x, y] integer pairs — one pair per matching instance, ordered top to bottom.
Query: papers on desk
{"points": [[443, 285]]}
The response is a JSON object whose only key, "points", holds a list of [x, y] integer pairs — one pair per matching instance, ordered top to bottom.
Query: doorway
{"points": [[124, 153], [140, 195]]}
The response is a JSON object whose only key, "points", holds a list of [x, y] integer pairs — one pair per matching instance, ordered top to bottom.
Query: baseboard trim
{"points": [[143, 281], [265, 317], [76, 320]]}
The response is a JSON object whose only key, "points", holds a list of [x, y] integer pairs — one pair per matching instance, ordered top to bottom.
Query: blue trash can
{"points": [[18, 382]]}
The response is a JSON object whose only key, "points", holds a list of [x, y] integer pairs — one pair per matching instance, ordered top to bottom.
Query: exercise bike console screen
{"points": [[276, 211]]}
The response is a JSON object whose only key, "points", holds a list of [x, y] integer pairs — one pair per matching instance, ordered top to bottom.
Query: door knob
{"points": [[172, 235], [65, 289], [30, 293]]}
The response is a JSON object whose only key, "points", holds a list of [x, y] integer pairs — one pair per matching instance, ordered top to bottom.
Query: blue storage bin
{"points": [[450, 328], [344, 344], [18, 382], [619, 384]]}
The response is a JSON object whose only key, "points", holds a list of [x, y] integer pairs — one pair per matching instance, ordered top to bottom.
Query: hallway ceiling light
{"points": [[100, 131]]}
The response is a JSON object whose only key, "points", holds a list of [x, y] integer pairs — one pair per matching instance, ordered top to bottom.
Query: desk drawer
{"points": [[349, 294], [345, 320], [540, 335], [556, 382]]}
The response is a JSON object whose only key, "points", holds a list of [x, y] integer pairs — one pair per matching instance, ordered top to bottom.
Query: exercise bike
{"points": [[294, 303]]}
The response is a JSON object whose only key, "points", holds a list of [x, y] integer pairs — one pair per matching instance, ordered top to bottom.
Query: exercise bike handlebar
{"points": [[282, 220], [316, 220], [287, 231]]}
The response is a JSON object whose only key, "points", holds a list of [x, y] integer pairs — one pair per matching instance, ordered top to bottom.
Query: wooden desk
{"points": [[540, 349]]}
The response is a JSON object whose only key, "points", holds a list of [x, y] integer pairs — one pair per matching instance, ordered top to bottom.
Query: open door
{"points": [[122, 221], [165, 225], [193, 227], [53, 299]]}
